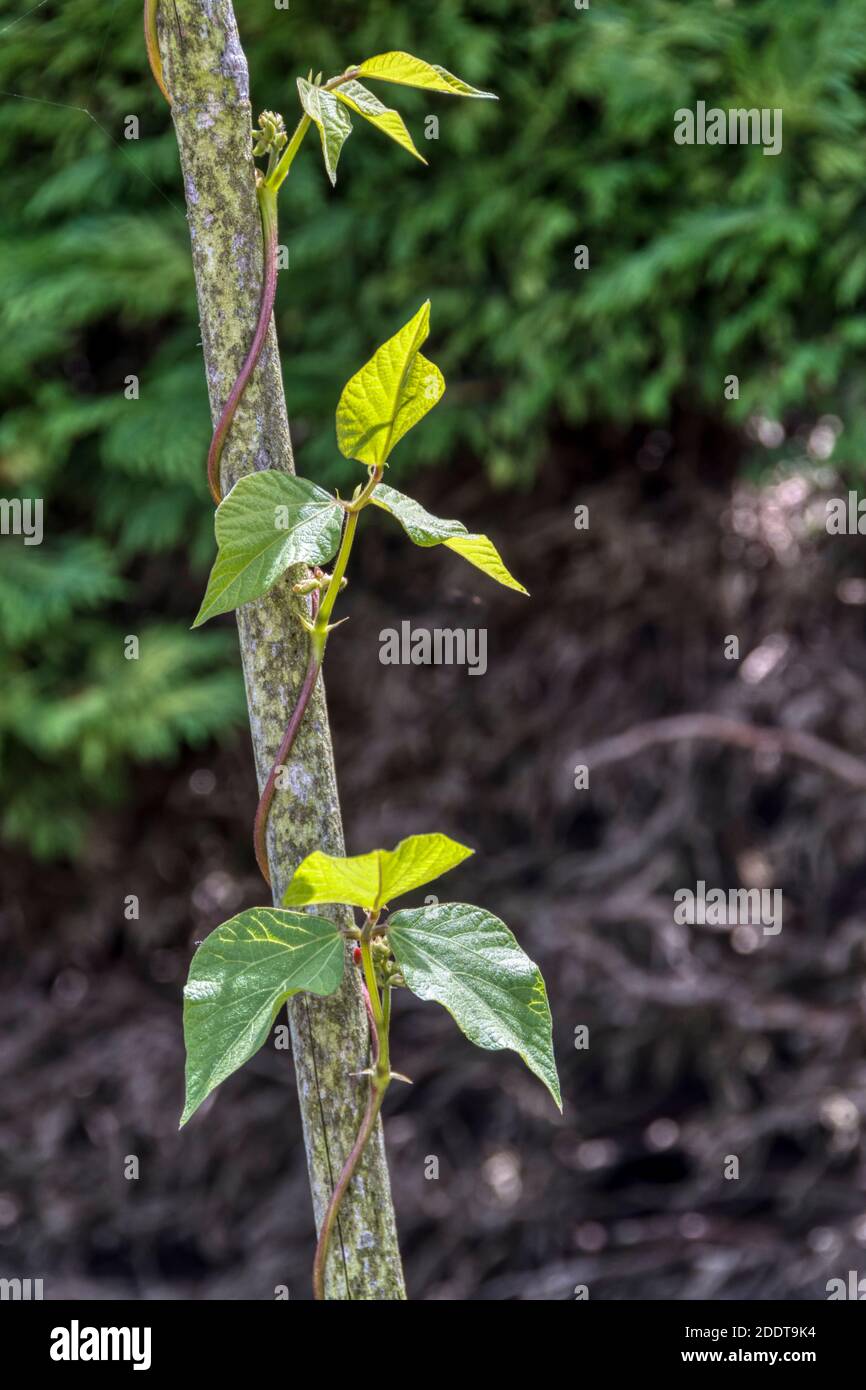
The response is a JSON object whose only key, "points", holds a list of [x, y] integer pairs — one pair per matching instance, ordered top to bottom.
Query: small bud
{"points": [[271, 134], [356, 955]]}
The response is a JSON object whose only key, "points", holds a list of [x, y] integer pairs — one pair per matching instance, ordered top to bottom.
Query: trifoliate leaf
{"points": [[407, 71], [358, 98], [332, 121], [390, 394], [269, 521], [424, 529], [372, 880], [468, 960], [238, 979]]}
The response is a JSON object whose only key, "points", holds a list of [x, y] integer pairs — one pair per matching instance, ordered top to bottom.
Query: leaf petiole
{"points": [[281, 169], [353, 509], [370, 981]]}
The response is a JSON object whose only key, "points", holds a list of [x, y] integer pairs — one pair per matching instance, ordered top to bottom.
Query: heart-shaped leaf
{"points": [[407, 71], [358, 98], [332, 121], [390, 394], [269, 521], [426, 530], [372, 880], [468, 960], [238, 979]]}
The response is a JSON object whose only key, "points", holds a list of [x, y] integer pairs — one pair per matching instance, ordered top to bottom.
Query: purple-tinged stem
{"points": [[268, 207], [322, 607], [260, 825], [378, 1087], [371, 1114]]}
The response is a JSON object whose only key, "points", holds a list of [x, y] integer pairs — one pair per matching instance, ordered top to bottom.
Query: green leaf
{"points": [[407, 71], [358, 98], [332, 120], [390, 394], [269, 521], [426, 530], [372, 880], [466, 959], [238, 979]]}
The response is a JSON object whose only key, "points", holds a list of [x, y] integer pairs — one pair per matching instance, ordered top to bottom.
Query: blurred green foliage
{"points": [[703, 261]]}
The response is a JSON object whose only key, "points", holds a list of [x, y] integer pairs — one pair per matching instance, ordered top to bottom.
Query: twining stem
{"points": [[151, 42], [267, 187], [268, 208], [318, 629], [260, 825], [379, 1012], [368, 1124]]}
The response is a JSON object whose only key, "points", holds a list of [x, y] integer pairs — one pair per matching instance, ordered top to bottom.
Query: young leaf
{"points": [[407, 71], [358, 98], [332, 120], [390, 394], [269, 521], [426, 530], [372, 880], [466, 959], [238, 979]]}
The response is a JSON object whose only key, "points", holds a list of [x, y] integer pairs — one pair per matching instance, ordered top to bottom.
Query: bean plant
{"points": [[267, 526]]}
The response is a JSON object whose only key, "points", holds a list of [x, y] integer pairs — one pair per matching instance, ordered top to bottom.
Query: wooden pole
{"points": [[206, 74]]}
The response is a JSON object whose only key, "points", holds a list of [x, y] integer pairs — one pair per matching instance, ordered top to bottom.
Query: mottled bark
{"points": [[206, 74]]}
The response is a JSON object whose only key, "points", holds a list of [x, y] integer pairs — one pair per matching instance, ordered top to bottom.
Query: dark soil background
{"points": [[703, 1043]]}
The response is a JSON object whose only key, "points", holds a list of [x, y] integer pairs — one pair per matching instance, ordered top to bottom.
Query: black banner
{"points": [[148, 1338]]}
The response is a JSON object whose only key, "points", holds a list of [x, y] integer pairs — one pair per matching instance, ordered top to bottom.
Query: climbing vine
{"points": [[272, 522]]}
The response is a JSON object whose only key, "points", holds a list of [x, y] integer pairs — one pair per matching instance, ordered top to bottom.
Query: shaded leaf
{"points": [[331, 119], [269, 521], [467, 960], [238, 979]]}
